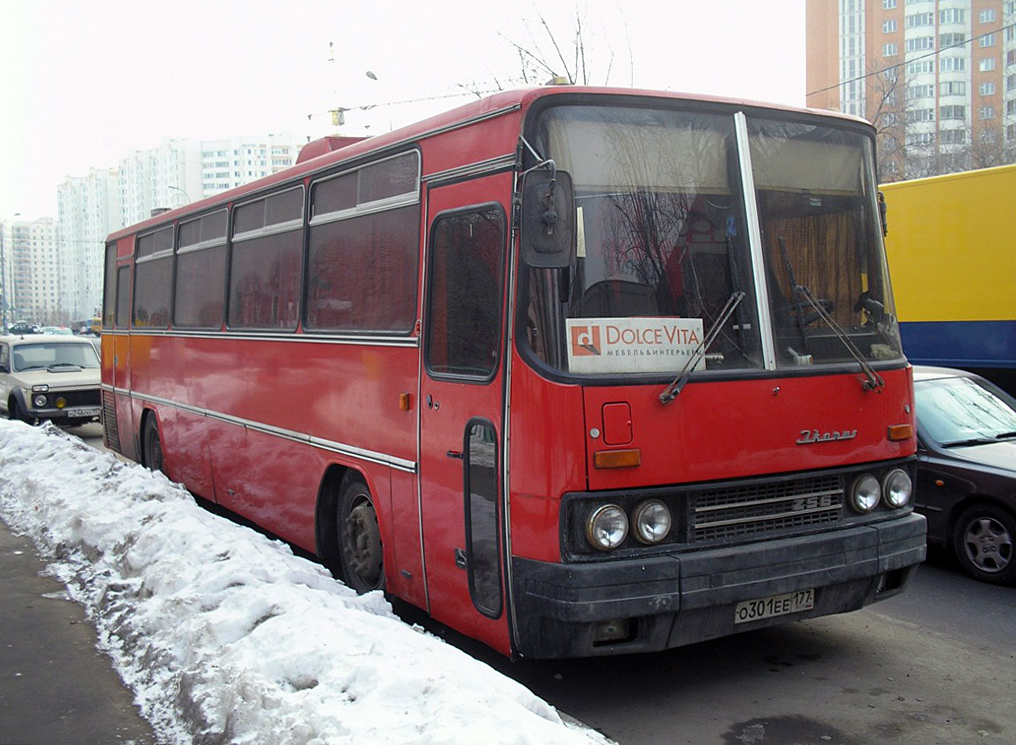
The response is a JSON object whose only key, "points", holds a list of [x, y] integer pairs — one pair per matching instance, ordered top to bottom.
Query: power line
{"points": [[935, 53]]}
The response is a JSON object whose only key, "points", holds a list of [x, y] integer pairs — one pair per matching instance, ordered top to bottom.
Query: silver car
{"points": [[49, 377]]}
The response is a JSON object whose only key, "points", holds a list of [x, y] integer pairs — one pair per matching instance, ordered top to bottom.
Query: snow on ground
{"points": [[225, 636]]}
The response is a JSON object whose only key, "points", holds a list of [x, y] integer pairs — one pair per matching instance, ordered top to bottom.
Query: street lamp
{"points": [[185, 194]]}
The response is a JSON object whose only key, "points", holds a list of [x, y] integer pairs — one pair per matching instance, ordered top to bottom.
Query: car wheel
{"points": [[16, 414], [983, 542], [360, 549]]}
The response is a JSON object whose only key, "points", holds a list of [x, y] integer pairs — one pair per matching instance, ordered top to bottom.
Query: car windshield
{"points": [[664, 254], [44, 355], [956, 411]]}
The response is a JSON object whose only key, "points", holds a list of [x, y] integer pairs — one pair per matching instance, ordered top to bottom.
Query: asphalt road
{"points": [[935, 665]]}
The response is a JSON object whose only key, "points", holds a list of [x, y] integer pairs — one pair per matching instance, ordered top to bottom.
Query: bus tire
{"points": [[151, 445], [359, 534], [983, 541]]}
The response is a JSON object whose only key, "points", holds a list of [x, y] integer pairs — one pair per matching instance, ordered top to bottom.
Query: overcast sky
{"points": [[84, 82]]}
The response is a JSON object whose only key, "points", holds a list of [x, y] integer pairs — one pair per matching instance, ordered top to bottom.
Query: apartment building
{"points": [[936, 77], [170, 175], [88, 208], [32, 287]]}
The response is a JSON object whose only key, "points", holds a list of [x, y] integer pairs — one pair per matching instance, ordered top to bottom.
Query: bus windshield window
{"points": [[822, 243], [662, 244]]}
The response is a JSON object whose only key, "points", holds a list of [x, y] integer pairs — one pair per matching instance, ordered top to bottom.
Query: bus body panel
{"points": [[736, 429], [547, 458]]}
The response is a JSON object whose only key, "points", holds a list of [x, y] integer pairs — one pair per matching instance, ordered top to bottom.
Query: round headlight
{"points": [[40, 401], [897, 488], [865, 493], [652, 521], [607, 527]]}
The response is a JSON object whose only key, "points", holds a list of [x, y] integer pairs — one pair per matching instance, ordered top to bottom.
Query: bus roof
{"points": [[328, 151]]}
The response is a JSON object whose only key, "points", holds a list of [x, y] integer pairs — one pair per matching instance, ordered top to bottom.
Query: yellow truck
{"points": [[952, 257]]}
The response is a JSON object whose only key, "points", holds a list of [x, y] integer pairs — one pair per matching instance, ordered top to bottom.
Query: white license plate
{"points": [[83, 411], [777, 605]]}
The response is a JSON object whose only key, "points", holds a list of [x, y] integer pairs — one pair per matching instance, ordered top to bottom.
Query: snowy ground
{"points": [[226, 636]]}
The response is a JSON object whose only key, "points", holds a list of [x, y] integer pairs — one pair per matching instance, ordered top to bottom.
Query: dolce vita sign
{"points": [[631, 345]]}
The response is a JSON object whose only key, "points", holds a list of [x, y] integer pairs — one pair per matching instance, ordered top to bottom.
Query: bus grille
{"points": [[112, 433], [761, 509]]}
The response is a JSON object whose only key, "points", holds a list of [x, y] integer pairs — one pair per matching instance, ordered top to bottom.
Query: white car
{"points": [[49, 377]]}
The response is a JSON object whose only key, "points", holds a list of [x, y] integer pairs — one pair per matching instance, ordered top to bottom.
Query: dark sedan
{"points": [[966, 475]]}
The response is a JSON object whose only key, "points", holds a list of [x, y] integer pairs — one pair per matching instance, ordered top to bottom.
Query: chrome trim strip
{"points": [[500, 163], [369, 208], [273, 229], [755, 241], [200, 246], [164, 254], [513, 269], [408, 342], [421, 371], [372, 456], [763, 519]]}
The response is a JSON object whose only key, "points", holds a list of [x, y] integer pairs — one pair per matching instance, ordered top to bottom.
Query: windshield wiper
{"points": [[874, 381], [671, 391], [971, 441]]}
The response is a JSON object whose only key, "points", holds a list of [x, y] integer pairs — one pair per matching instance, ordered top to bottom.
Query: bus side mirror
{"points": [[882, 212], [548, 219]]}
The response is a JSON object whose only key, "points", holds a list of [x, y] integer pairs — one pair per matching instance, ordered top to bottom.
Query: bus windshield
{"points": [[665, 225]]}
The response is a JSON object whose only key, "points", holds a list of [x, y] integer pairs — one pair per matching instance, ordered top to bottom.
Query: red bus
{"points": [[577, 371]]}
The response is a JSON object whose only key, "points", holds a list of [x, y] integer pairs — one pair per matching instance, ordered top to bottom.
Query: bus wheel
{"points": [[151, 445], [359, 537]]}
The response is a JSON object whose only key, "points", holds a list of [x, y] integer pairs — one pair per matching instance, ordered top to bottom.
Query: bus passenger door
{"points": [[462, 400]]}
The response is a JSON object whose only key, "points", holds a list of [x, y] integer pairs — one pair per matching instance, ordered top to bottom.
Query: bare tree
{"points": [[550, 56], [887, 107]]}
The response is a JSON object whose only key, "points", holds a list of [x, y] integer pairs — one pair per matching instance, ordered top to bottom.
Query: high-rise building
{"points": [[937, 78], [171, 175], [88, 209], [32, 287]]}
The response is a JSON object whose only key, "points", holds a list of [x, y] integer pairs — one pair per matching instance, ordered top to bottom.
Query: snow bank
{"points": [[226, 636]]}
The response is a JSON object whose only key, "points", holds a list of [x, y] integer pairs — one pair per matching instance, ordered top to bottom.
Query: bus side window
{"points": [[467, 273], [481, 517]]}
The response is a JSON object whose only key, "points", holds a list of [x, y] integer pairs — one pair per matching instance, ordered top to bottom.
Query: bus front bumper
{"points": [[644, 605]]}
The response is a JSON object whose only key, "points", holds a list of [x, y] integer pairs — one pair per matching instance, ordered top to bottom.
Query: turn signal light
{"points": [[899, 432], [617, 458]]}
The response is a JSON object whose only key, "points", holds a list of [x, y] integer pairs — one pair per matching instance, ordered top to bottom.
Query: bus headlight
{"points": [[39, 400], [897, 488], [865, 493], [652, 521], [607, 527]]}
